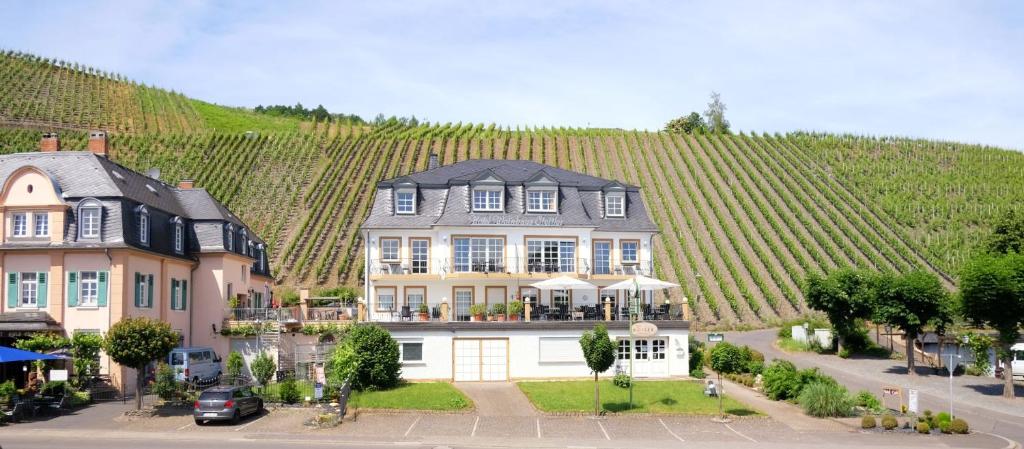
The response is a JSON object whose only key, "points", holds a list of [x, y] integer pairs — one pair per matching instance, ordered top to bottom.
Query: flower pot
{"points": [[424, 316], [477, 317], [490, 317], [501, 317], [513, 317]]}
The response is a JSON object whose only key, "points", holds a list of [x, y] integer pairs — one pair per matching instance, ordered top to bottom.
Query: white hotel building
{"points": [[483, 231]]}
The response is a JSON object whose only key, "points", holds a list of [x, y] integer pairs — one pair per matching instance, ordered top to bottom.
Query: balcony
{"points": [[527, 267], [314, 310], [541, 313]]}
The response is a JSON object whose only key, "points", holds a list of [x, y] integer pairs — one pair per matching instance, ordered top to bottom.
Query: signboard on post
{"points": [[644, 329], [715, 338], [58, 375], [320, 375], [318, 391], [892, 392], [912, 401]]}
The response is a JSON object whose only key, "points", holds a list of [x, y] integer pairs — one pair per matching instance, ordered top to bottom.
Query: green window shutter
{"points": [[72, 288], [138, 289], [12, 290], [41, 290], [149, 293], [174, 294], [184, 295], [101, 299]]}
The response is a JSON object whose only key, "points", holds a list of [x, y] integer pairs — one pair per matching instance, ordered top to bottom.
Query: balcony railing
{"points": [[508, 265], [562, 312], [282, 314]]}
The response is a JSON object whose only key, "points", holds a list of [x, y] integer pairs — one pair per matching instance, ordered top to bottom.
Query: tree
{"points": [[715, 115], [689, 124], [1007, 235], [992, 294], [844, 296], [909, 302], [135, 342], [85, 349], [599, 352], [235, 365], [341, 366], [377, 366], [262, 368]]}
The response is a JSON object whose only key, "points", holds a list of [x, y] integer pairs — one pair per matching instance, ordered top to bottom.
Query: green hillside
{"points": [[743, 218]]}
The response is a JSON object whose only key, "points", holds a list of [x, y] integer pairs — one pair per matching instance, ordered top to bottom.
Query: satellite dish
{"points": [[153, 173]]}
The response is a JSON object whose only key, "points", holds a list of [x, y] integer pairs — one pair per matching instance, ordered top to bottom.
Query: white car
{"points": [[1017, 351], [195, 364]]}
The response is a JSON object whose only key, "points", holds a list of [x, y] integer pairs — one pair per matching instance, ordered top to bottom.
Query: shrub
{"points": [[515, 307], [423, 308], [477, 309], [498, 309], [85, 349], [752, 355], [727, 358], [235, 364], [377, 365], [755, 367], [262, 368], [697, 373], [622, 380], [781, 380], [165, 385], [54, 388], [7, 389], [288, 391], [825, 399], [867, 400], [940, 419], [868, 422], [889, 422], [958, 425], [923, 427], [944, 427]]}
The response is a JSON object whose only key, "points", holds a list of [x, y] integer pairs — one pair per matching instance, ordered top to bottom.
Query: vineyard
{"points": [[743, 218]]}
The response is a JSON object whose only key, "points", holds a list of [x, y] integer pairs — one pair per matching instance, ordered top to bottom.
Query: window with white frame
{"points": [[487, 200], [541, 201], [405, 202], [615, 205], [89, 221], [42, 224], [19, 227], [143, 234], [179, 236], [229, 236], [245, 240], [389, 249], [630, 249], [420, 251], [479, 254], [551, 255], [602, 256], [263, 257], [88, 288], [29, 289], [414, 296], [385, 299], [658, 349], [411, 351], [623, 352]]}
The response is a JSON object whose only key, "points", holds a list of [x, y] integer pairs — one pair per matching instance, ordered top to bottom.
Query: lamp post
{"points": [[634, 306]]}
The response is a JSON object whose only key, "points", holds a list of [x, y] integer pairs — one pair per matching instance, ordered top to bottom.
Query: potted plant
{"points": [[515, 309], [498, 310], [476, 312], [424, 313]]}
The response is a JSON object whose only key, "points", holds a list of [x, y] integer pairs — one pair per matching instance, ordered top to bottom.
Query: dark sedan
{"points": [[226, 404]]}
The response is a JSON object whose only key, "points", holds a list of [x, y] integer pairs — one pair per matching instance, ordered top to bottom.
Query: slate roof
{"points": [[444, 199]]}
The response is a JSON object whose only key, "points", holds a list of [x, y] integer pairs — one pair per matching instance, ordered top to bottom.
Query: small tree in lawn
{"points": [[992, 294], [844, 295], [908, 302], [135, 342], [599, 352], [235, 365], [341, 366], [262, 368]]}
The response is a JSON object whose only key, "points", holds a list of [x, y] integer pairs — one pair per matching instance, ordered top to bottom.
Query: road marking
{"points": [[475, 423], [248, 424], [185, 426], [538, 427], [670, 430], [407, 432], [605, 432], [740, 434], [1010, 444]]}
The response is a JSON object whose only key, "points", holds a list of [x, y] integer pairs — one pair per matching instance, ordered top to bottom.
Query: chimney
{"points": [[98, 142], [49, 143], [432, 164], [186, 184]]}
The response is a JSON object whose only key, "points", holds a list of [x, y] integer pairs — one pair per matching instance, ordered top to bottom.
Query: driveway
{"points": [[497, 398]]}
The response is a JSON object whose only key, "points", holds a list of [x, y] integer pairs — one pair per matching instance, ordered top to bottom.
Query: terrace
{"points": [[525, 267], [312, 310], [441, 313]]}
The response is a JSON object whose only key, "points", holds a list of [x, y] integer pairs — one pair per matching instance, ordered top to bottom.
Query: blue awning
{"points": [[18, 355]]}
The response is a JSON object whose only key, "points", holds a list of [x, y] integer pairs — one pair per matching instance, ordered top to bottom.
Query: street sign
{"points": [[644, 329], [715, 338], [318, 391], [912, 401]]}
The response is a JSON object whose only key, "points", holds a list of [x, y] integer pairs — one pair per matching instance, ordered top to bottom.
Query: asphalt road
{"points": [[865, 375]]}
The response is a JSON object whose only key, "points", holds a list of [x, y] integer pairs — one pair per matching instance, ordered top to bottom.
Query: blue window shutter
{"points": [[72, 288], [138, 289], [12, 290], [41, 290], [149, 293], [184, 295], [101, 299]]}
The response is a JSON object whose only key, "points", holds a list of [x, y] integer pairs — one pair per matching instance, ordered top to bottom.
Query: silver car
{"points": [[226, 404]]}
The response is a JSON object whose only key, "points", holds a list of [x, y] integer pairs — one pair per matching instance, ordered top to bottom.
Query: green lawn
{"points": [[413, 396], [673, 396]]}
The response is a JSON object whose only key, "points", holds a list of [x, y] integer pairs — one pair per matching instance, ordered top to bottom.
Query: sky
{"points": [[931, 69]]}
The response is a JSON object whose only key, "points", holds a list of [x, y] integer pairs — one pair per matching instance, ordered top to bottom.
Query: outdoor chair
{"points": [[405, 269], [406, 313], [711, 390], [59, 406], [18, 411]]}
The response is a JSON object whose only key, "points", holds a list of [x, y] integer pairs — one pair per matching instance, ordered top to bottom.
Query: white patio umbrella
{"points": [[563, 283], [641, 283]]}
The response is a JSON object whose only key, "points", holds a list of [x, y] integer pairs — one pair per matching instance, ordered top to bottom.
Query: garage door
{"points": [[481, 360]]}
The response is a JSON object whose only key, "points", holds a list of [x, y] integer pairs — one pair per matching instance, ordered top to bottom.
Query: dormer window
{"points": [[488, 199], [541, 200], [405, 202], [615, 205], [90, 220], [143, 231], [179, 235], [229, 236], [245, 241], [262, 262]]}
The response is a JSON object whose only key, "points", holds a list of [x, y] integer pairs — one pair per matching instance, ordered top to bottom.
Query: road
{"points": [[974, 399]]}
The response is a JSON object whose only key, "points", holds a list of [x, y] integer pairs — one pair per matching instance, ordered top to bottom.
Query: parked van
{"points": [[1017, 357], [195, 364]]}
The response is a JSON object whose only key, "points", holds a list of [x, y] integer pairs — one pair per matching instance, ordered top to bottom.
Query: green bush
{"points": [[290, 298], [515, 307], [477, 309], [498, 309], [752, 355], [727, 358], [696, 359], [235, 364], [377, 367], [755, 367], [262, 368], [697, 373], [622, 380], [781, 380], [165, 386], [54, 388], [7, 389], [288, 391], [825, 399], [867, 400], [940, 419], [868, 422], [889, 422], [959, 426], [923, 427]]}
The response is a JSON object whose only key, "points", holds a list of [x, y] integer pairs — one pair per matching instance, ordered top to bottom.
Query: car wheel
{"points": [[259, 407], [235, 418], [200, 422]]}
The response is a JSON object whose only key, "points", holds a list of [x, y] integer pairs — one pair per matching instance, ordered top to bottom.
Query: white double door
{"points": [[649, 358], [480, 359]]}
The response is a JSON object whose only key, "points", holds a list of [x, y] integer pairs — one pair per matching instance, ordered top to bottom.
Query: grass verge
{"points": [[413, 396], [670, 397]]}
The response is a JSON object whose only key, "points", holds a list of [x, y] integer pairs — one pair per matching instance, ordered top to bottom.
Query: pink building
{"points": [[87, 242]]}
